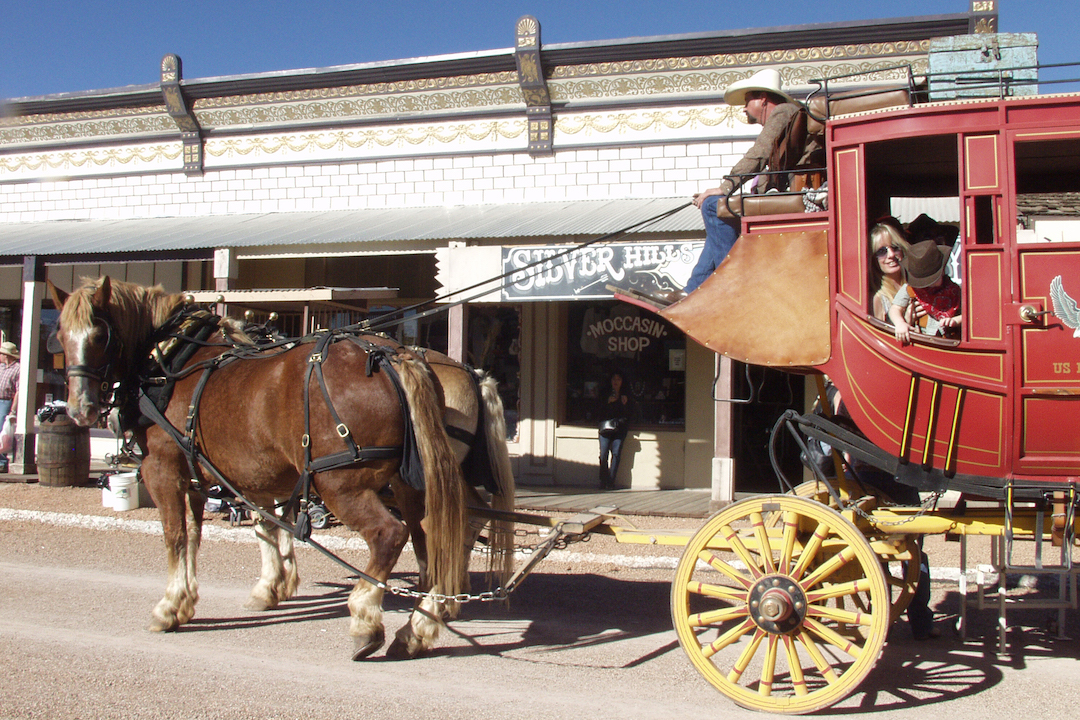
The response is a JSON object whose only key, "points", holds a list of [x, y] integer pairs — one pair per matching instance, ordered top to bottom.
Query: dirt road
{"points": [[588, 635]]}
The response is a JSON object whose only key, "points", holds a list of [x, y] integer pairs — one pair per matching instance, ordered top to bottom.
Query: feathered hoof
{"points": [[259, 604], [159, 625], [367, 644], [404, 650]]}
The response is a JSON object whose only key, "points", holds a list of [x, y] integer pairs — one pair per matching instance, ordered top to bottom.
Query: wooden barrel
{"points": [[63, 452]]}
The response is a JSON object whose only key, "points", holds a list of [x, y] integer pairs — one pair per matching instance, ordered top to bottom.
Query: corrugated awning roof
{"points": [[540, 220]]}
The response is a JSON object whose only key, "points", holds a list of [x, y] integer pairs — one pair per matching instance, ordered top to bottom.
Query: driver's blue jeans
{"points": [[720, 235]]}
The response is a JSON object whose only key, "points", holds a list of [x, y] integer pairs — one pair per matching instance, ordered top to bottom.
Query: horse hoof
{"points": [[258, 605], [157, 625], [364, 646], [399, 650]]}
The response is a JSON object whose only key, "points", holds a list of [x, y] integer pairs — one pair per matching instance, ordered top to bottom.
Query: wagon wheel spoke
{"points": [[735, 542], [787, 543], [764, 547], [902, 578], [731, 636], [776, 636], [768, 667], [824, 668], [798, 679]]}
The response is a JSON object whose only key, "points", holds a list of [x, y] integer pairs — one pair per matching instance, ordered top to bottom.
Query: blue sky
{"points": [[56, 46]]}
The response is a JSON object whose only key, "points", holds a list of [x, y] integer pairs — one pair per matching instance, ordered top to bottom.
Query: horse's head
{"points": [[92, 347]]}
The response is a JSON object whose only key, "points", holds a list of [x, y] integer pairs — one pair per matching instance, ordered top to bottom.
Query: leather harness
{"points": [[185, 333]]}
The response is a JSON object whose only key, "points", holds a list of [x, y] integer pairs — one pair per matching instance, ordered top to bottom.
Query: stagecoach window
{"points": [[925, 167], [1048, 191], [984, 220], [608, 337]]}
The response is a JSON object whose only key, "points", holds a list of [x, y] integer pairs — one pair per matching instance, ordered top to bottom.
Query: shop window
{"points": [[494, 345], [650, 354]]}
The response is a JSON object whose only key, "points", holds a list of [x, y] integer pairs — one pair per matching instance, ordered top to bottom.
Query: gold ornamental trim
{"points": [[606, 123], [404, 137], [90, 159]]}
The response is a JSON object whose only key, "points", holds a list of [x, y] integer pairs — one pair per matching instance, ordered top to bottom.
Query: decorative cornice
{"points": [[744, 60], [704, 75], [715, 81], [461, 82], [353, 108], [84, 126]]}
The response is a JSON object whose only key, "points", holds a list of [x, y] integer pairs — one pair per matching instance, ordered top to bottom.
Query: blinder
{"points": [[52, 343], [112, 354]]}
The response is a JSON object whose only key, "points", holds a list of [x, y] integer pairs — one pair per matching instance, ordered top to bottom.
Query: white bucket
{"points": [[125, 491]]}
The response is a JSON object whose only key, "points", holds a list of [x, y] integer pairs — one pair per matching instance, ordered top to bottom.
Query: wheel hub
{"points": [[777, 604]]}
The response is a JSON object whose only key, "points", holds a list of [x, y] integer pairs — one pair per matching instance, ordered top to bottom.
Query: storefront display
{"points": [[608, 337]]}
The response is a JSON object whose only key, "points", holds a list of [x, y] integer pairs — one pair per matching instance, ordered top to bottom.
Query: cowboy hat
{"points": [[767, 80], [925, 227], [925, 263], [9, 349]]}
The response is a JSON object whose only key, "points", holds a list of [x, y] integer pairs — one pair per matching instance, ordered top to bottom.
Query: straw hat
{"points": [[767, 80], [925, 263], [9, 349]]}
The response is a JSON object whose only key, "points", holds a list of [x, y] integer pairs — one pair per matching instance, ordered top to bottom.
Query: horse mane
{"points": [[135, 311]]}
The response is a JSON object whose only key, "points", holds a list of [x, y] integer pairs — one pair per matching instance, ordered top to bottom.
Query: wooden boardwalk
{"points": [[662, 503]]}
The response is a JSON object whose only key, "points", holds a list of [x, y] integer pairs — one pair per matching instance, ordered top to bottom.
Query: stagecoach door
{"points": [[1045, 166]]}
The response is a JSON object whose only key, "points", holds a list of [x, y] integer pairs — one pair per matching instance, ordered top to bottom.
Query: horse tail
{"points": [[495, 434], [446, 521]]}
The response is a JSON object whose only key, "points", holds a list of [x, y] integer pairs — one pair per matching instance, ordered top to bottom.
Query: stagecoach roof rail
{"points": [[1002, 81], [847, 91]]}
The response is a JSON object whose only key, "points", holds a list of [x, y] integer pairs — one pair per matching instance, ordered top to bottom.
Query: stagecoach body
{"points": [[1003, 401], [992, 414]]}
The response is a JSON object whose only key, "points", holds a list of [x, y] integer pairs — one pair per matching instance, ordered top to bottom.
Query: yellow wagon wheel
{"points": [[902, 576], [751, 604]]}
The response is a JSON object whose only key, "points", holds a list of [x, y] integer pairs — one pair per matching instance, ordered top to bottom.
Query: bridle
{"points": [[101, 373]]}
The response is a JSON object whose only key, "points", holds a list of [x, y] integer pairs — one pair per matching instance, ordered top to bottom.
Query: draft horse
{"points": [[260, 420]]}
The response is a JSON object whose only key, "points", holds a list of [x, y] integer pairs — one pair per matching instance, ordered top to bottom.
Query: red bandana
{"points": [[940, 302]]}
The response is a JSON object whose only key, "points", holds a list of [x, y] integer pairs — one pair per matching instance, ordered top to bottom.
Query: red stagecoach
{"points": [[774, 588]]}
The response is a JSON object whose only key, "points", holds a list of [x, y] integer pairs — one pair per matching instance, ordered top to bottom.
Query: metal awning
{"points": [[542, 221], [297, 296]]}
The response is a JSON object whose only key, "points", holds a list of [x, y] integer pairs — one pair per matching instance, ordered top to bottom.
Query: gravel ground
{"points": [[587, 634]]}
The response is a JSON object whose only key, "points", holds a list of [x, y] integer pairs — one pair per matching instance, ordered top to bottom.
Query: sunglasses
{"points": [[881, 252]]}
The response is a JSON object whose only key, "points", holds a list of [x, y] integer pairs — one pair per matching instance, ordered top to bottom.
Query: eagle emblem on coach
{"points": [[1064, 306]]}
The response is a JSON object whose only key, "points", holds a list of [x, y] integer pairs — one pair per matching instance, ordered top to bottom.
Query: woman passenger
{"points": [[888, 245]]}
